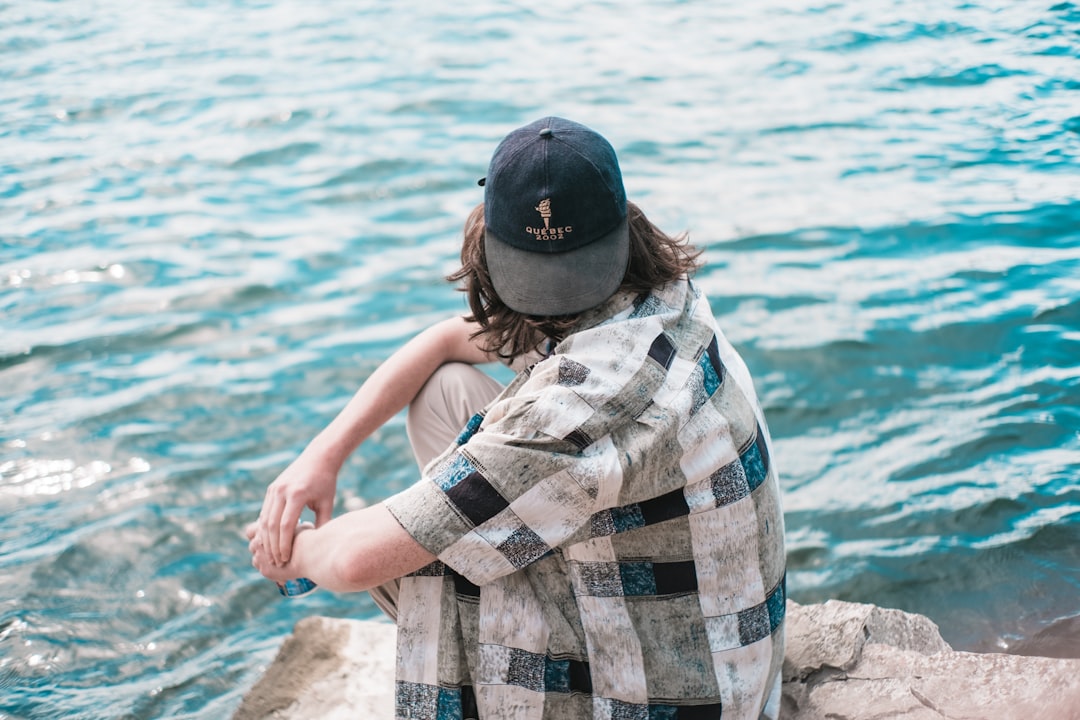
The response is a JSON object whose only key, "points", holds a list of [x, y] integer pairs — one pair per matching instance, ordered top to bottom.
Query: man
{"points": [[603, 538]]}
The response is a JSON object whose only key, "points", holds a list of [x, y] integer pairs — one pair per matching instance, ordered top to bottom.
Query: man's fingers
{"points": [[289, 517], [269, 521], [258, 553]]}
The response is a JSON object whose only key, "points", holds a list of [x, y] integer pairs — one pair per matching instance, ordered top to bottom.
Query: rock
{"points": [[832, 635], [844, 661], [847, 661], [327, 669]]}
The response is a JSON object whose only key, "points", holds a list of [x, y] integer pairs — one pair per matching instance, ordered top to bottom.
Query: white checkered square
{"points": [[723, 632]]}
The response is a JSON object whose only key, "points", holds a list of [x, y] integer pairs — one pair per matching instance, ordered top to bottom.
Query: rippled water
{"points": [[217, 218]]}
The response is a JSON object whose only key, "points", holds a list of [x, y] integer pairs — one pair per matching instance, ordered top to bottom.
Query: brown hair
{"points": [[656, 259]]}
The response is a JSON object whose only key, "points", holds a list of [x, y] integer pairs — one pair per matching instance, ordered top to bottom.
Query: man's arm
{"points": [[311, 480], [356, 551]]}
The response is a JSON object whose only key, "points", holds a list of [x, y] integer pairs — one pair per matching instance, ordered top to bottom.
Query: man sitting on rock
{"points": [[603, 537]]}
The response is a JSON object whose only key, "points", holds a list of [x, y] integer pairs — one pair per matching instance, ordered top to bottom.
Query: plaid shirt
{"points": [[609, 535]]}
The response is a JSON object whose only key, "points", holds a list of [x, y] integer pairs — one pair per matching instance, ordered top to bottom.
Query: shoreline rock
{"points": [[844, 661], [850, 661], [328, 669]]}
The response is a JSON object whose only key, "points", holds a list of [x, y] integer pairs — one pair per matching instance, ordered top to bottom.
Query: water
{"points": [[218, 217]]}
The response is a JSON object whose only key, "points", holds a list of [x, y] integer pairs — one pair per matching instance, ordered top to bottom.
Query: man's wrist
{"points": [[328, 452]]}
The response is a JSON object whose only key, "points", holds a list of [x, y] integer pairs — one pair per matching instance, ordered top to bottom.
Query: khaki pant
{"points": [[453, 394]]}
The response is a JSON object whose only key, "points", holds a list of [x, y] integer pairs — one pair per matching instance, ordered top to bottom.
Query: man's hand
{"points": [[309, 482], [261, 561]]}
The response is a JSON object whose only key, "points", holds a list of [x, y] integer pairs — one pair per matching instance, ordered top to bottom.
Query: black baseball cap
{"points": [[557, 239]]}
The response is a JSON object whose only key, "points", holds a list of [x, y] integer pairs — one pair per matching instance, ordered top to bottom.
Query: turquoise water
{"points": [[218, 217]]}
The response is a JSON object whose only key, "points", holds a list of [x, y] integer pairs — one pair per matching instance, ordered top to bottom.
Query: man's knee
{"points": [[442, 394], [452, 395]]}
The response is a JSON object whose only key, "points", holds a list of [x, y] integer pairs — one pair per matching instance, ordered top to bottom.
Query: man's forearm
{"points": [[394, 384], [357, 551]]}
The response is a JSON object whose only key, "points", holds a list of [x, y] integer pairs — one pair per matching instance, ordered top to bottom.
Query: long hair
{"points": [[656, 259]]}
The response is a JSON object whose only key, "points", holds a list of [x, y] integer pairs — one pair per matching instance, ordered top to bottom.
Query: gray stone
{"points": [[844, 661], [847, 661], [328, 669]]}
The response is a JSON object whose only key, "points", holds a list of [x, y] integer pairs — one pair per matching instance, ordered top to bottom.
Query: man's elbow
{"points": [[350, 573]]}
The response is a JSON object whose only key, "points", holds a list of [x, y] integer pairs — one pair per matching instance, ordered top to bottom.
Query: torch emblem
{"points": [[544, 208]]}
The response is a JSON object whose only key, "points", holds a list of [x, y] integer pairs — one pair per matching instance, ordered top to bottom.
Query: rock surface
{"points": [[845, 661], [852, 661], [328, 669]]}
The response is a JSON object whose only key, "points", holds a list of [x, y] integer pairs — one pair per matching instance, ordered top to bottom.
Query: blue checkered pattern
{"points": [[471, 428], [637, 578], [416, 700]]}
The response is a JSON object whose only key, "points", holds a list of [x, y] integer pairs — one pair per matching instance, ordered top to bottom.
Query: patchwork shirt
{"points": [[609, 535]]}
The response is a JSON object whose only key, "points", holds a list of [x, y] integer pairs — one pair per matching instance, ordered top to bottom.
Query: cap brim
{"points": [[536, 283]]}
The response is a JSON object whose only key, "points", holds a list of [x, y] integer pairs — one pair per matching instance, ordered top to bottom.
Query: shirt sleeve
{"points": [[516, 489]]}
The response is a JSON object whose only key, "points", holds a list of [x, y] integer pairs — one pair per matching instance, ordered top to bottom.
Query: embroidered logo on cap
{"points": [[544, 208], [548, 232]]}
